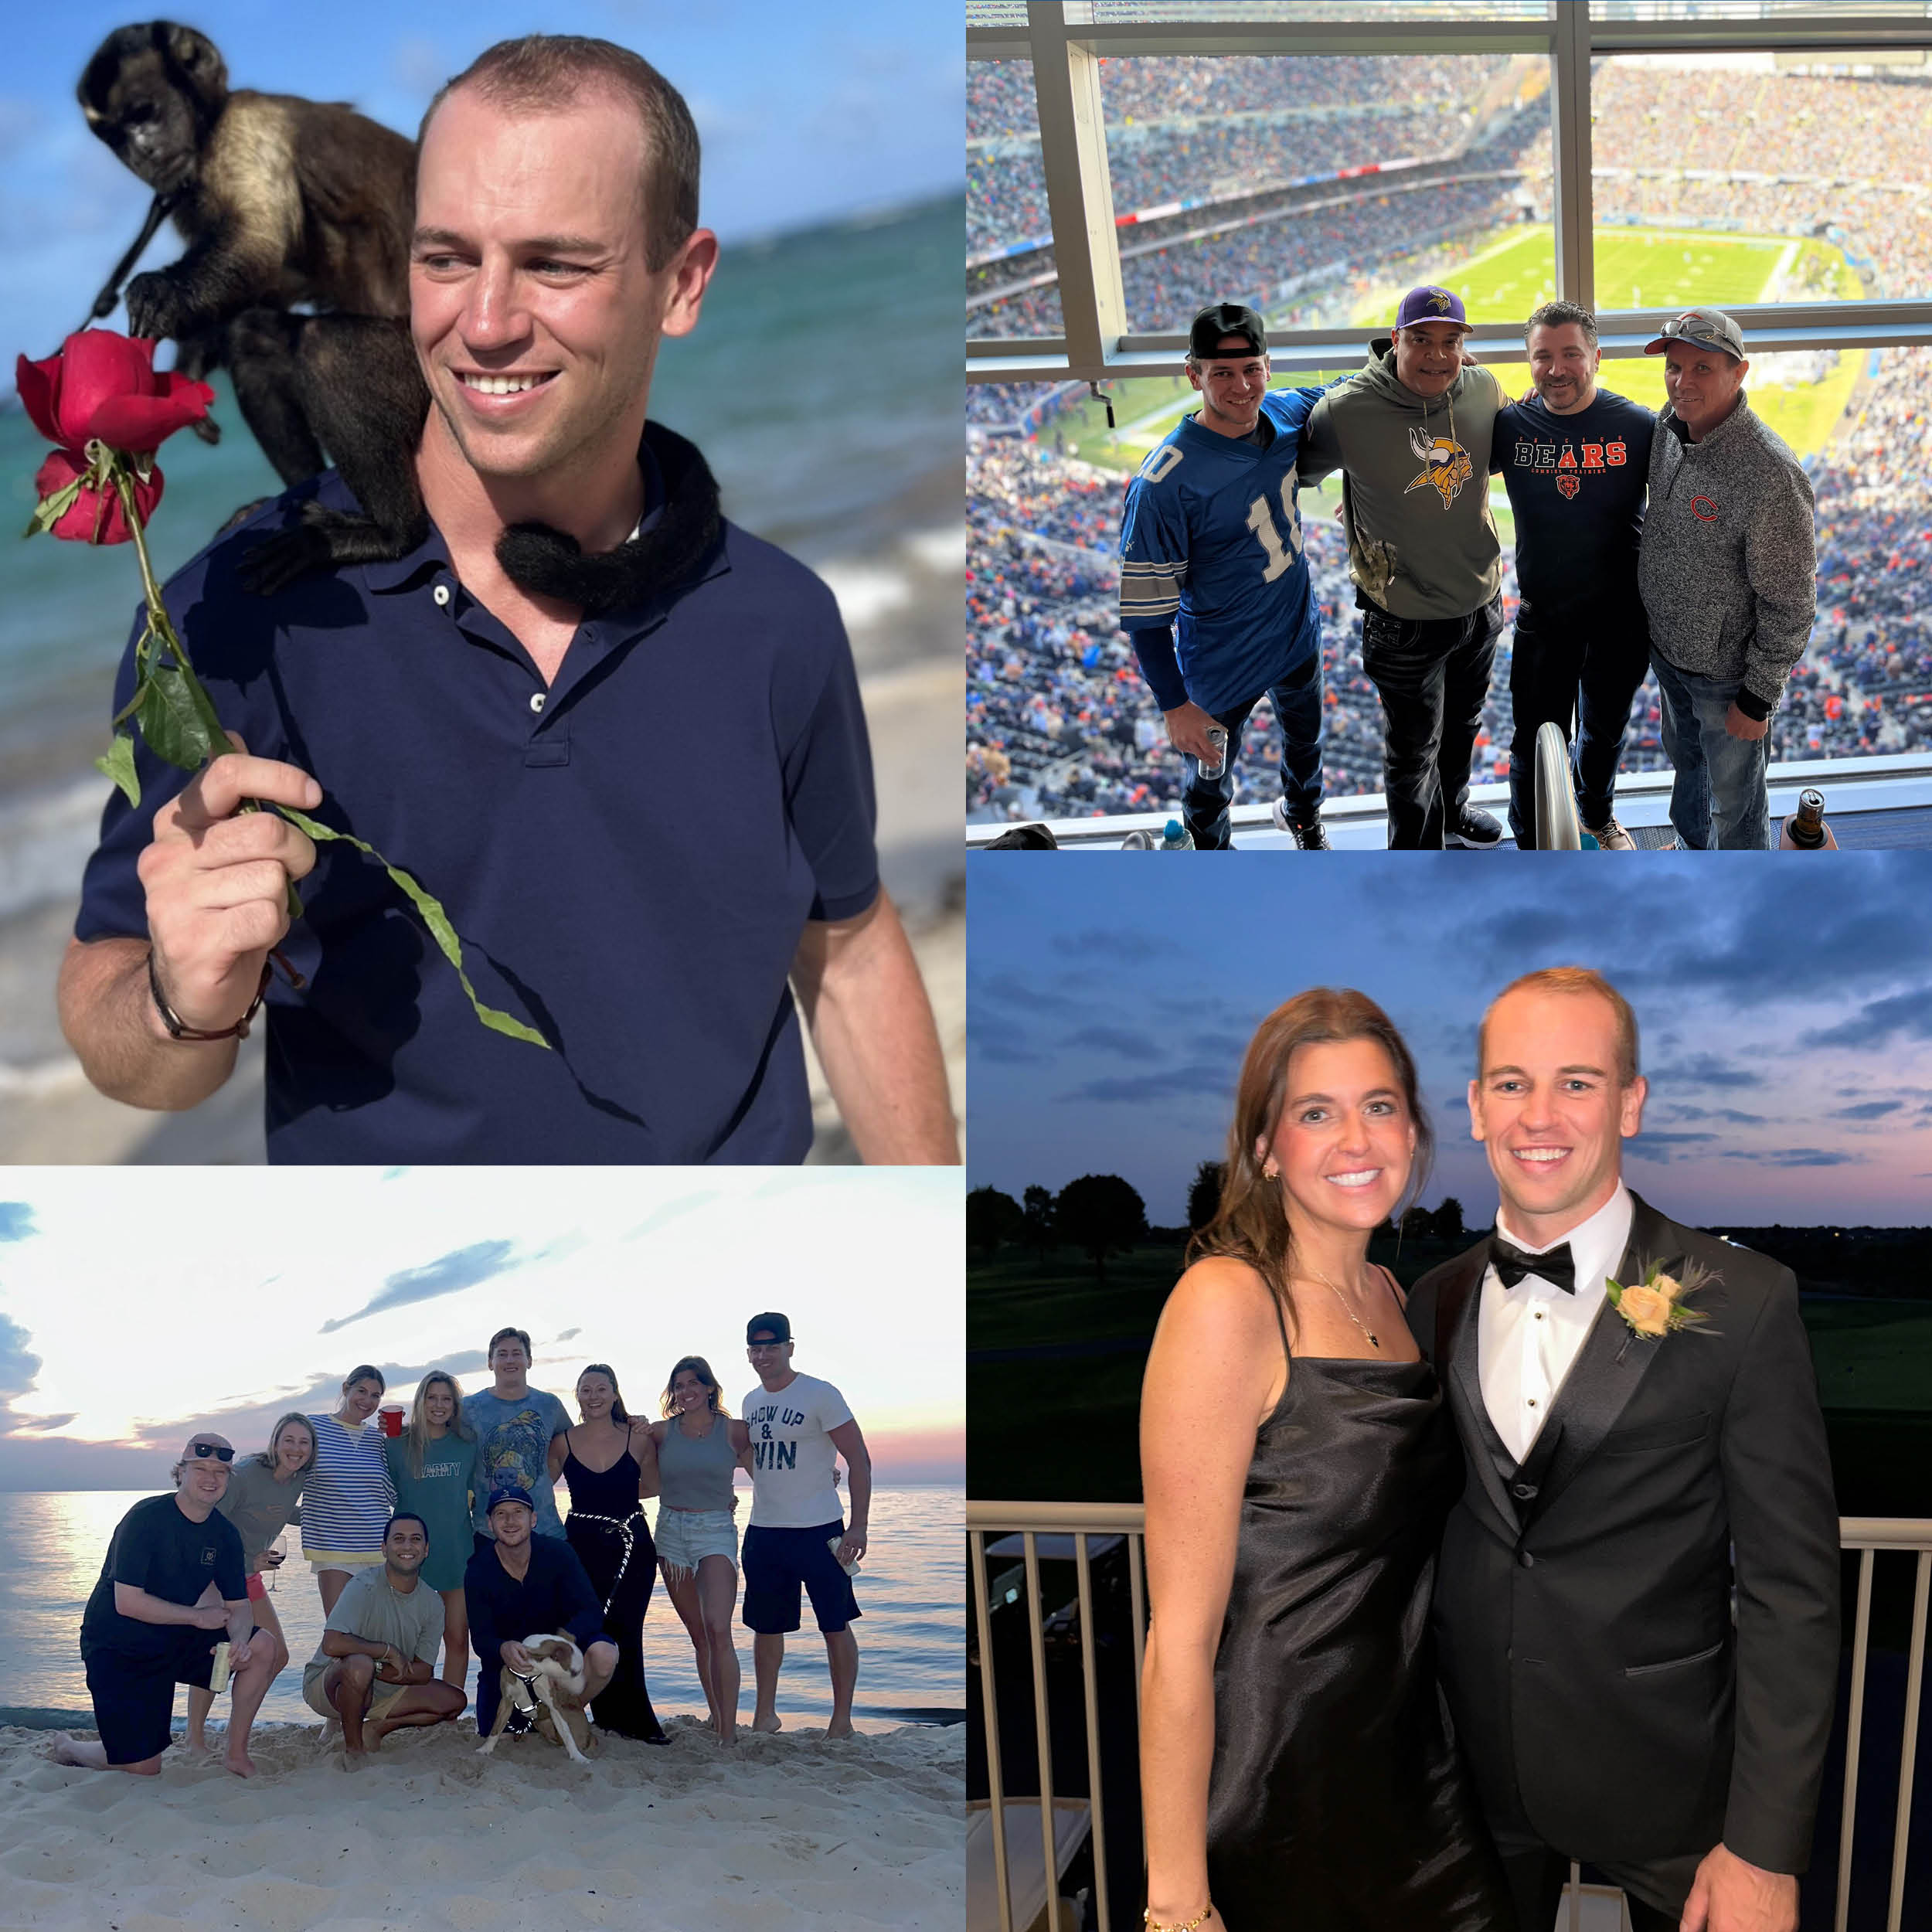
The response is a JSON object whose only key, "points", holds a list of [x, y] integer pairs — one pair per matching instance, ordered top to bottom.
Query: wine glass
{"points": [[280, 1546]]}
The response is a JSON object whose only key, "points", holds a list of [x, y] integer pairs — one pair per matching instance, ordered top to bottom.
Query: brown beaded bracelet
{"points": [[178, 1029]]}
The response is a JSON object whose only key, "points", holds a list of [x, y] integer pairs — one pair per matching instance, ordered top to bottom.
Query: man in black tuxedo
{"points": [[1636, 1604]]}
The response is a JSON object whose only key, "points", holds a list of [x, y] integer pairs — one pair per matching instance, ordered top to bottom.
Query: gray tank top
{"points": [[695, 1472]]}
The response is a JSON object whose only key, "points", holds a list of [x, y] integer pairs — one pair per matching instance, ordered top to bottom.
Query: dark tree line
{"points": [[1101, 1214]]}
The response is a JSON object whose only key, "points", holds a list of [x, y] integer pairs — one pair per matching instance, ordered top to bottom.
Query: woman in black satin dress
{"points": [[608, 1463], [1297, 1465]]}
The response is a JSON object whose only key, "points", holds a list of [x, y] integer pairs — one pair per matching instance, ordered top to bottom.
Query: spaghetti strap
{"points": [[1287, 1354]]}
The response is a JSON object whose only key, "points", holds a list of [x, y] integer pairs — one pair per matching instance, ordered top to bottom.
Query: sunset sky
{"points": [[1785, 1007], [137, 1304]]}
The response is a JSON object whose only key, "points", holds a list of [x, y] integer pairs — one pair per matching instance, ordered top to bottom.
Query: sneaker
{"points": [[1476, 829], [1611, 836], [1308, 838]]}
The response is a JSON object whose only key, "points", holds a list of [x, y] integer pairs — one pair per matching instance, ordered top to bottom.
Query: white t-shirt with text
{"points": [[793, 1454]]}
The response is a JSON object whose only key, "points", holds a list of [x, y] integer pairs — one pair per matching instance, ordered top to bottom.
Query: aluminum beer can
{"points": [[1218, 738]]}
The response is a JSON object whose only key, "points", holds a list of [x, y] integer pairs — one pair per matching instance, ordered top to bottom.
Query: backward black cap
{"points": [[1224, 319]]}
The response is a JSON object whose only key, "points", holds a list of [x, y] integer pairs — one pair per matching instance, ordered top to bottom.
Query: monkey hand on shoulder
{"points": [[216, 879]]}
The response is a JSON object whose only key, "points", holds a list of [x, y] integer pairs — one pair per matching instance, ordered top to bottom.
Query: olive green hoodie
{"points": [[1415, 486]]}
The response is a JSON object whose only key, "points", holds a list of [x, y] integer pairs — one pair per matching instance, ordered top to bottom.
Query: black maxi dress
{"points": [[606, 1529], [1336, 1802]]}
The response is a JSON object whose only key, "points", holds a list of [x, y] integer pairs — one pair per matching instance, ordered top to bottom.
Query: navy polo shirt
{"points": [[629, 857]]}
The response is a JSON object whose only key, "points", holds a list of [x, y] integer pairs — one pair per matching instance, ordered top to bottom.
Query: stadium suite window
{"points": [[1751, 177], [1317, 187], [1011, 288]]}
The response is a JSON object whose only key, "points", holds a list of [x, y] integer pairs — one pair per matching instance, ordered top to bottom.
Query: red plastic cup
{"points": [[390, 1416]]}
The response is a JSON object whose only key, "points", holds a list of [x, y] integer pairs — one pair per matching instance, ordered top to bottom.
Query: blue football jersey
{"points": [[1211, 539]]}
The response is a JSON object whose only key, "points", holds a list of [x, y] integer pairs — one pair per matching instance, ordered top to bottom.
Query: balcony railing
{"points": [[1084, 1530]]}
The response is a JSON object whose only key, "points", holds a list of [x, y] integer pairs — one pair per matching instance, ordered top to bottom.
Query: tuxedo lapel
{"points": [[1456, 1308], [1606, 1374]]}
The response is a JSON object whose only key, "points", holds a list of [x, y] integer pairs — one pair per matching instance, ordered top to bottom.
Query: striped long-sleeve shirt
{"points": [[348, 1497]]}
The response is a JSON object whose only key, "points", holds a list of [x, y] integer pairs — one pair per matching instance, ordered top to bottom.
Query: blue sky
{"points": [[806, 113], [1785, 1010], [137, 1304]]}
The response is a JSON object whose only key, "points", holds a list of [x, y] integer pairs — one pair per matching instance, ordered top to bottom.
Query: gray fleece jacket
{"points": [[1415, 486], [1728, 569]]}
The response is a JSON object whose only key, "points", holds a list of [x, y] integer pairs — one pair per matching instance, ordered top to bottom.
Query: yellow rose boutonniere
{"points": [[1654, 1306]]}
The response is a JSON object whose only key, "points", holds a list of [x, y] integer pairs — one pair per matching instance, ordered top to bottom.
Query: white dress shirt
{"points": [[1528, 1336]]}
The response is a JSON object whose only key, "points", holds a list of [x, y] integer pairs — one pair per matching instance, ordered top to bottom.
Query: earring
{"points": [[1272, 1171]]}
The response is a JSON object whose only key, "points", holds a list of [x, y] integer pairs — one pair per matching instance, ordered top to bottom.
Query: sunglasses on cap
{"points": [[200, 1451]]}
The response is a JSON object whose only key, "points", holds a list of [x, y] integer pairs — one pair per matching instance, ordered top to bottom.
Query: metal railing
{"points": [[1082, 1522]]}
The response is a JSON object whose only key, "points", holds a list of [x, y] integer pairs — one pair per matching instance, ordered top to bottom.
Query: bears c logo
{"points": [[1703, 509]]}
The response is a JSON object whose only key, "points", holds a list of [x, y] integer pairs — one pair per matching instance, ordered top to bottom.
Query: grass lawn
{"points": [[1502, 280]]}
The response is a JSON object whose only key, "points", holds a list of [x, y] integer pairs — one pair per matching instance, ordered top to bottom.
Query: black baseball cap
{"points": [[1224, 319], [779, 1329]]}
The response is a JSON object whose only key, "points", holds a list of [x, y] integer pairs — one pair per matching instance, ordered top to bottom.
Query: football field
{"points": [[1505, 275]]}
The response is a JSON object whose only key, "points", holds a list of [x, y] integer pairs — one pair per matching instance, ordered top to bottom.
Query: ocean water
{"points": [[821, 385], [911, 1631]]}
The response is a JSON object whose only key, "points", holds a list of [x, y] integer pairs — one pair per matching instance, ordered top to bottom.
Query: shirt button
{"points": [[441, 593], [536, 701], [1539, 1315], [1532, 1402], [1528, 1561]]}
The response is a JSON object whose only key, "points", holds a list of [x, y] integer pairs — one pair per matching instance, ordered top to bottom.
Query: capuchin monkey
{"points": [[282, 201]]}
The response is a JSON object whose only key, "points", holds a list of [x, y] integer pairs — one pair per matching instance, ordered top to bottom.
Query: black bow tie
{"points": [[1556, 1267]]}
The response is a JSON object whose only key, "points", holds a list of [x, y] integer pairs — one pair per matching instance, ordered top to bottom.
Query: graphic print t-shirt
{"points": [[1576, 485], [513, 1450], [793, 1454]]}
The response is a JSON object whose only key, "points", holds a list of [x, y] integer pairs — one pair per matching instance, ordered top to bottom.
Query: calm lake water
{"points": [[911, 1630]]}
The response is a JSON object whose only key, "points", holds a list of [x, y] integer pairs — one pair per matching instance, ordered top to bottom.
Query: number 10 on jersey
{"points": [[1280, 557]]}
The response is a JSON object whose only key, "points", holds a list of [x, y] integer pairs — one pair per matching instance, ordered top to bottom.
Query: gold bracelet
{"points": [[1180, 1925]]}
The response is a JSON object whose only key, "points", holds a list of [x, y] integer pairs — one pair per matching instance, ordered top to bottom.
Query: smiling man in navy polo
{"points": [[635, 770]]}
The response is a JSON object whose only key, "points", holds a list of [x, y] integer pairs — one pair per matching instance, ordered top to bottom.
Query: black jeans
{"points": [[1573, 667], [1432, 674], [1297, 699]]}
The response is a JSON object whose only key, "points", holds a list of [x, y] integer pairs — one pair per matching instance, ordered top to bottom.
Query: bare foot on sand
{"points": [[768, 1721], [841, 1728], [194, 1745], [356, 1760], [240, 1762]]}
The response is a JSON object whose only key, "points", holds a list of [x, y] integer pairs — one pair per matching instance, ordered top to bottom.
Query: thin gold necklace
{"points": [[1343, 1299]]}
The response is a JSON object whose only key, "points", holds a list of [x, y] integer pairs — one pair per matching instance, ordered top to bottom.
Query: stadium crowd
{"points": [[1166, 139], [1060, 721]]}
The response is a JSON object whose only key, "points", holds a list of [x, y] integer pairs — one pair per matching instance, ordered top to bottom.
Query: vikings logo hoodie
{"points": [[1415, 486]]}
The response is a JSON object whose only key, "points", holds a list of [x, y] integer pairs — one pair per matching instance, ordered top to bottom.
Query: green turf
{"points": [[1504, 278]]}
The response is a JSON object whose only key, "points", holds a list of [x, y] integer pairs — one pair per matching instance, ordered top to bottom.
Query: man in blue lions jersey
{"points": [[1212, 535]]}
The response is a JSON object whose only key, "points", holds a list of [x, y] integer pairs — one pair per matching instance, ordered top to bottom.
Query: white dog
{"points": [[552, 1696]]}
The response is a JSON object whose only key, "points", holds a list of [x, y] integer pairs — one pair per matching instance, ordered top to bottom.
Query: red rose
{"points": [[102, 385], [95, 516]]}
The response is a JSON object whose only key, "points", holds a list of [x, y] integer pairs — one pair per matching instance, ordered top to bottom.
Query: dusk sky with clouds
{"points": [[807, 115], [1785, 1009], [138, 1303]]}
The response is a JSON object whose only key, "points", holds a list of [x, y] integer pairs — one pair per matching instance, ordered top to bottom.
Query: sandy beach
{"points": [[784, 1831]]}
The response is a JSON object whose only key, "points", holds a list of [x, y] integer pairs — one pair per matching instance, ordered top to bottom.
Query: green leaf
{"points": [[50, 509], [174, 726], [118, 765], [433, 916]]}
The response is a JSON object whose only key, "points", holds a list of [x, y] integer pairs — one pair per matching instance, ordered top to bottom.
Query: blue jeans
{"points": [[1297, 699], [1719, 798]]}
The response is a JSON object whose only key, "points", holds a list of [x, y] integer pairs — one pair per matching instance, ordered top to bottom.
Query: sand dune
{"points": [[781, 1831]]}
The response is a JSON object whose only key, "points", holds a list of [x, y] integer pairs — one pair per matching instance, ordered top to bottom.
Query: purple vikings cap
{"points": [[1431, 304]]}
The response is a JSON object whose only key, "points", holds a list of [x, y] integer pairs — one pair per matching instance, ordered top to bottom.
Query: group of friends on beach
{"points": [[436, 1531]]}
